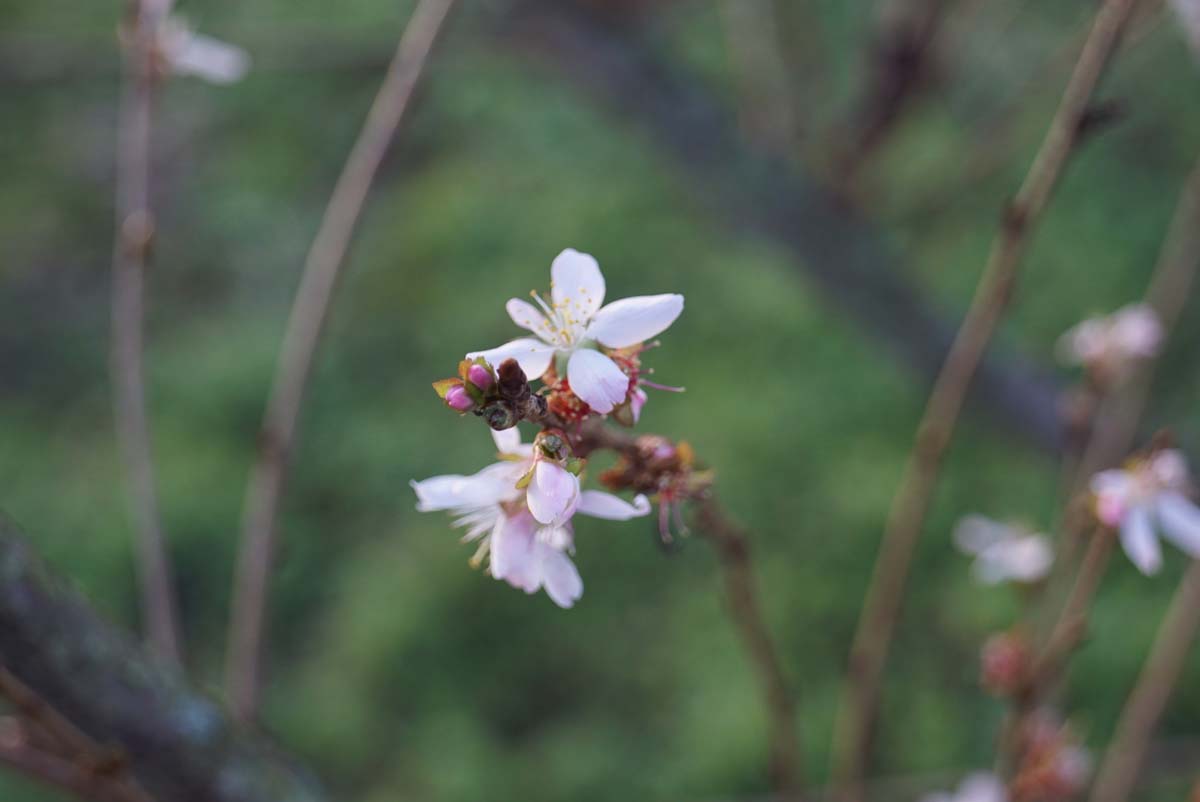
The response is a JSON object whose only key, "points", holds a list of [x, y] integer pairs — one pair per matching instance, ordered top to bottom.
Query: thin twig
{"points": [[767, 100], [131, 258], [322, 269], [907, 517], [733, 549], [18, 753], [1119, 770]]}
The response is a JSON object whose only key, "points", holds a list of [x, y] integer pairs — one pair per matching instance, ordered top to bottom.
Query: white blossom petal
{"points": [[191, 53], [576, 286], [528, 316], [630, 321], [1137, 330], [533, 356], [597, 380], [508, 442], [493, 485], [553, 493], [599, 504], [1180, 520], [974, 533], [1140, 542], [1023, 559], [559, 576], [982, 787]]}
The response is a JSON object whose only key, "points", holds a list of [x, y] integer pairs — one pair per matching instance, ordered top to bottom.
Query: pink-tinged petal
{"points": [[576, 286], [528, 316], [630, 321], [1137, 329], [533, 356], [597, 380], [637, 400], [492, 485], [553, 493], [599, 504], [1180, 520], [1140, 542], [513, 555], [560, 577], [982, 787]]}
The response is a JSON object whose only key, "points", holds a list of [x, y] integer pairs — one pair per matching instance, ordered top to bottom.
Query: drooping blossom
{"points": [[186, 52], [574, 321], [1109, 346], [1145, 499], [526, 533], [1003, 552], [1053, 766], [980, 786]]}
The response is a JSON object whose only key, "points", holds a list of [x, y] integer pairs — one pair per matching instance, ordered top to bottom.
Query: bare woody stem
{"points": [[131, 257], [306, 322], [733, 549], [852, 737], [45, 767], [1119, 770]]}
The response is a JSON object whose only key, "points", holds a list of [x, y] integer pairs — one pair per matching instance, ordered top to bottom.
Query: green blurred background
{"points": [[396, 670]]}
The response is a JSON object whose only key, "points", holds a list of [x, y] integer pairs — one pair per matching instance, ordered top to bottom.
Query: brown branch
{"points": [[131, 259], [322, 269], [910, 506], [741, 594], [135, 711], [17, 753], [1119, 771]]}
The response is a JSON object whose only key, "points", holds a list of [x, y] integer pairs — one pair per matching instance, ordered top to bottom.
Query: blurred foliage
{"points": [[397, 671]]}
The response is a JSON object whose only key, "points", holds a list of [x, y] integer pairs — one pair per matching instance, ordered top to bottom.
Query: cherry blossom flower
{"points": [[189, 53], [574, 321], [1109, 346], [1146, 497], [525, 533], [1003, 553], [1053, 766], [978, 787]]}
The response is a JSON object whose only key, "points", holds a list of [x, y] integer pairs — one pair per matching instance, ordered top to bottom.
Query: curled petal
{"points": [[576, 285], [630, 321], [533, 356], [597, 380], [553, 493], [599, 504], [1180, 521], [1140, 542]]}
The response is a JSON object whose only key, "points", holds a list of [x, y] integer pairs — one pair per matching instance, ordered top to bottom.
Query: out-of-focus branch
{"points": [[899, 64], [766, 96], [843, 254], [131, 258], [322, 269], [1170, 287], [910, 506], [741, 594], [131, 706], [1119, 771], [91, 782]]}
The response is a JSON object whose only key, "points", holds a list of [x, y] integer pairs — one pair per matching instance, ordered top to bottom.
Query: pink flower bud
{"points": [[480, 376], [457, 398]]}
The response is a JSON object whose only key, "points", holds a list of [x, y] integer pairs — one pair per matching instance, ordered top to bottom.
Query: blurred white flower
{"points": [[1188, 14], [189, 53], [574, 321], [1110, 345], [1146, 496], [526, 534], [1002, 552], [978, 787]]}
